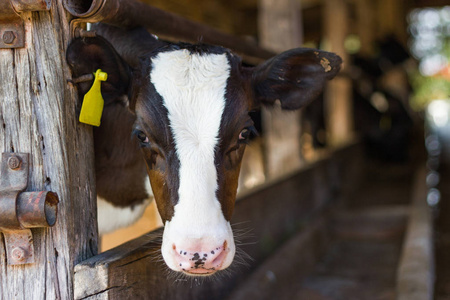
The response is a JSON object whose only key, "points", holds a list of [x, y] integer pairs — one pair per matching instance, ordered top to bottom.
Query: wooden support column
{"points": [[391, 19], [365, 22], [280, 29], [38, 116], [339, 116]]}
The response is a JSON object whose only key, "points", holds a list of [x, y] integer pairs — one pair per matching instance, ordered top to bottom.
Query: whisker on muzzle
{"points": [[243, 236]]}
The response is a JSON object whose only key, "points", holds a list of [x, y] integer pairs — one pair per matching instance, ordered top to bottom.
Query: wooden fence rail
{"points": [[133, 13]]}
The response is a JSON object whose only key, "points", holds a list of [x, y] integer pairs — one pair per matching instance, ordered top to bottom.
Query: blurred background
{"points": [[392, 97]]}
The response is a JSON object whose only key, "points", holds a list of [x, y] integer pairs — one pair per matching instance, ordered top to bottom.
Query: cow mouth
{"points": [[200, 272]]}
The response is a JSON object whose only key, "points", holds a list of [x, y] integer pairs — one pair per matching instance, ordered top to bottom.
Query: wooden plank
{"points": [[429, 3], [133, 13], [218, 14], [391, 19], [365, 26], [280, 29], [338, 105], [38, 116], [272, 213], [375, 222], [294, 260], [291, 268], [415, 274]]}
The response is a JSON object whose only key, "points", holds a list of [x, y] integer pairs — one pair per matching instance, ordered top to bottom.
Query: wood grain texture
{"points": [[280, 29], [338, 92], [38, 115]]}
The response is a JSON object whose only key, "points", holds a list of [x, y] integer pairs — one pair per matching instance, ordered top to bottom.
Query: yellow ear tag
{"points": [[92, 107]]}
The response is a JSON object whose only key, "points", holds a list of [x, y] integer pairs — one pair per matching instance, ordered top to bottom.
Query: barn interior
{"points": [[395, 64], [345, 199]]}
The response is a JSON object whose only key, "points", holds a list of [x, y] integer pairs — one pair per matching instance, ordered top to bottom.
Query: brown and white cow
{"points": [[188, 107]]}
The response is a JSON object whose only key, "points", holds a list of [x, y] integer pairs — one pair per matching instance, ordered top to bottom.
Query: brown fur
{"points": [[295, 77]]}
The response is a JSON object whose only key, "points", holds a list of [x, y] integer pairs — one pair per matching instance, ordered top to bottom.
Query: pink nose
{"points": [[200, 262]]}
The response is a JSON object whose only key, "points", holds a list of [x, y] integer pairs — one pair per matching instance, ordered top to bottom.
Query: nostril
{"points": [[179, 252], [219, 255], [196, 260], [218, 260]]}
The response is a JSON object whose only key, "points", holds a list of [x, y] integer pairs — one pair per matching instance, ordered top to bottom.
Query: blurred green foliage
{"points": [[430, 29], [428, 88]]}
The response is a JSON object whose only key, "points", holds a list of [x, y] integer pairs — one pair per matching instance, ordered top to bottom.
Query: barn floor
{"points": [[442, 238], [364, 243], [363, 265], [363, 269]]}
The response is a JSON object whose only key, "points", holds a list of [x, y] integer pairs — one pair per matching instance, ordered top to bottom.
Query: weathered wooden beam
{"points": [[429, 3], [132, 13], [391, 19], [366, 26], [12, 29], [280, 29], [337, 94], [38, 116], [377, 222], [288, 265], [415, 274]]}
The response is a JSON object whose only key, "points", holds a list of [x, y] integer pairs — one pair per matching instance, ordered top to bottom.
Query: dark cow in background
{"points": [[380, 92], [380, 101], [188, 107], [314, 123]]}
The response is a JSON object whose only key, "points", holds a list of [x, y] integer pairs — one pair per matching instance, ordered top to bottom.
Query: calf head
{"points": [[191, 104]]}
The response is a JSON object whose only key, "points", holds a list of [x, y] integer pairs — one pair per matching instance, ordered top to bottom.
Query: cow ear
{"points": [[87, 55], [295, 77]]}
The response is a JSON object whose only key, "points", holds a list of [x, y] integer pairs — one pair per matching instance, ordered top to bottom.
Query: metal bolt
{"points": [[80, 32], [9, 37], [13, 162], [18, 254]]}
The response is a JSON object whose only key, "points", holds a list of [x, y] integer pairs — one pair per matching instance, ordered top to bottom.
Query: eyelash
{"points": [[249, 132], [141, 136], [243, 139], [246, 140]]}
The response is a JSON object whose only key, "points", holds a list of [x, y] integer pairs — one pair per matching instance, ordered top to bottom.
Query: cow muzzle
{"points": [[198, 256], [197, 263]]}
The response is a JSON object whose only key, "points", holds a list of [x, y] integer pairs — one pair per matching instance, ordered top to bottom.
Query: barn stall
{"points": [[330, 221]]}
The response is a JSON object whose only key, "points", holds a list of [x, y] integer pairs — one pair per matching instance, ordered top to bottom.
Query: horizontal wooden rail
{"points": [[133, 13], [415, 274]]}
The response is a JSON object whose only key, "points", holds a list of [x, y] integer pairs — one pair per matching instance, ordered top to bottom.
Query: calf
{"points": [[380, 101], [188, 106]]}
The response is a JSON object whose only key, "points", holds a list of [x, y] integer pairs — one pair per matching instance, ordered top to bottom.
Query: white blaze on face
{"points": [[193, 89]]}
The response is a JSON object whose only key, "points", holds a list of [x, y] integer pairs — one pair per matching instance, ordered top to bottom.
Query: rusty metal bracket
{"points": [[12, 32], [20, 211]]}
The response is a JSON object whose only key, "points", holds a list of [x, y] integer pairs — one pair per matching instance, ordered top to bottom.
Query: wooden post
{"points": [[391, 19], [365, 22], [280, 29], [338, 91], [38, 116], [416, 269]]}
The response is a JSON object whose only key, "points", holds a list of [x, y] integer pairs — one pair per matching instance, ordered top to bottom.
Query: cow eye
{"points": [[246, 133], [142, 137]]}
